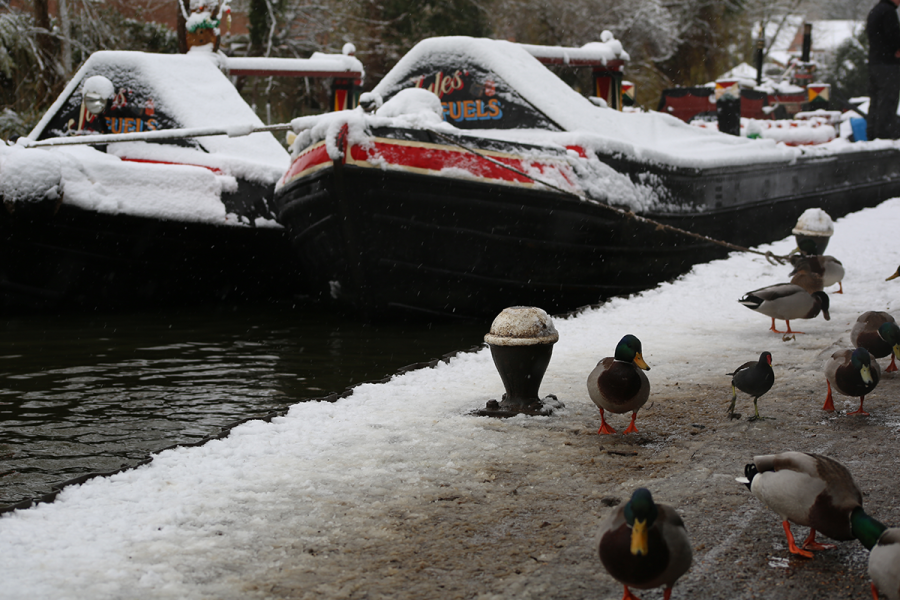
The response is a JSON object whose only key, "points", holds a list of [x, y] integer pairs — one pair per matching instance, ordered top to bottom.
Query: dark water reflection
{"points": [[84, 394]]}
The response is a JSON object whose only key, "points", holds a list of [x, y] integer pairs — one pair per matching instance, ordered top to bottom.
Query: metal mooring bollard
{"points": [[814, 225], [521, 341]]}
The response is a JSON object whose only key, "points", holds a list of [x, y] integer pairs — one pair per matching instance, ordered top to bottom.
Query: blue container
{"points": [[858, 125]]}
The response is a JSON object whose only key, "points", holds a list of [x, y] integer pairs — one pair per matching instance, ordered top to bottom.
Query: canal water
{"points": [[83, 394]]}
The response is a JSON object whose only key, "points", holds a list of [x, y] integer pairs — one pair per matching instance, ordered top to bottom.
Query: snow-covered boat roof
{"points": [[606, 51], [318, 65], [509, 74], [184, 90], [182, 180]]}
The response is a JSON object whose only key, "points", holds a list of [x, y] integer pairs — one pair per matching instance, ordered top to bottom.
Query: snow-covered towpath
{"points": [[396, 492]]}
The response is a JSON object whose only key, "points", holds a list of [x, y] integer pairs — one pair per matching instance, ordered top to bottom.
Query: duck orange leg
{"points": [[840, 287], [786, 322], [891, 367], [829, 401], [860, 410], [604, 428], [631, 428], [812, 544], [792, 545], [874, 592], [667, 594], [628, 595]]}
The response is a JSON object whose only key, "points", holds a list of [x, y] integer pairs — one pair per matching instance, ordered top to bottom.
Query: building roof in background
{"points": [[787, 33]]}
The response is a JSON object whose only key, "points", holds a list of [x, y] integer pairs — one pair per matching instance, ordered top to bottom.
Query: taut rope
{"points": [[622, 212]]}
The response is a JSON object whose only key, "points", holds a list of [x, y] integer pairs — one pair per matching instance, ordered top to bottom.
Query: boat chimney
{"points": [[807, 42], [758, 55], [521, 341]]}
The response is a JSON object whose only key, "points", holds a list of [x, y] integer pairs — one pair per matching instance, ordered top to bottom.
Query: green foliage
{"points": [[413, 20], [259, 25], [848, 72], [29, 80]]}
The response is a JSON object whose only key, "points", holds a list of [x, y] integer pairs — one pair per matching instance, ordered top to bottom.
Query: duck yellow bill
{"points": [[897, 350], [639, 361], [866, 374], [639, 538]]}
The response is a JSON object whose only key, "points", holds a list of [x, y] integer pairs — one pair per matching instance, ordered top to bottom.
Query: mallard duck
{"points": [[819, 269], [895, 275], [811, 282], [787, 301], [877, 332], [851, 373], [754, 378], [618, 383], [810, 490], [644, 545], [884, 564]]}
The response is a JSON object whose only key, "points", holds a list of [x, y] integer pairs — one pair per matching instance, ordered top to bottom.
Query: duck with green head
{"points": [[877, 332], [851, 373], [618, 383], [810, 490], [644, 545], [884, 555]]}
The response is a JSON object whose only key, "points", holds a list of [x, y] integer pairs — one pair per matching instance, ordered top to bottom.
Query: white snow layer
{"points": [[190, 89], [646, 136], [102, 182], [196, 522]]}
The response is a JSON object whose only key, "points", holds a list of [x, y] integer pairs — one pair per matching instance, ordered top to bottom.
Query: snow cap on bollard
{"points": [[814, 224], [522, 326], [521, 341]]}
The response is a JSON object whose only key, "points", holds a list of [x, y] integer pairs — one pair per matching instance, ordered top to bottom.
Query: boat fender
{"points": [[31, 183]]}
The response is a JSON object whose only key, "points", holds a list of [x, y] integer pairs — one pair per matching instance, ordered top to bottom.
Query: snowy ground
{"points": [[394, 492]]}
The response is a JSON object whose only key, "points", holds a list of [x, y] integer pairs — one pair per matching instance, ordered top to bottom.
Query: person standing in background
{"points": [[883, 30]]}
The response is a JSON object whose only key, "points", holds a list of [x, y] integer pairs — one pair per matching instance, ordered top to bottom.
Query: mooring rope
{"points": [[628, 214]]}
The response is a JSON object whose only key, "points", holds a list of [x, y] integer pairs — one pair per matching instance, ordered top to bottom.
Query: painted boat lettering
{"points": [[472, 110], [130, 124]]}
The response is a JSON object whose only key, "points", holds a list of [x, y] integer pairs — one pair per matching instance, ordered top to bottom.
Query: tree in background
{"points": [[671, 42], [32, 70], [848, 72]]}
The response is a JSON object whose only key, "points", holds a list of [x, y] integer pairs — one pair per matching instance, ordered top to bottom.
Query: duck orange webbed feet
{"points": [[604, 426], [811, 544], [792, 545]]}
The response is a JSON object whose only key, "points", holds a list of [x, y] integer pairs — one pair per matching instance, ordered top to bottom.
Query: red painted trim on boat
{"points": [[311, 159], [434, 159], [215, 170]]}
